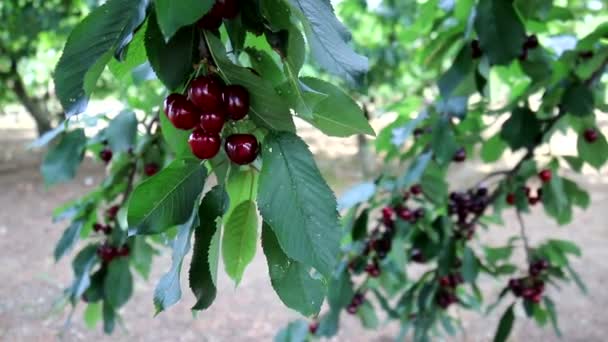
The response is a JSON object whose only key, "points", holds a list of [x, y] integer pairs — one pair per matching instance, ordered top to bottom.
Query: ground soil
{"points": [[30, 281]]}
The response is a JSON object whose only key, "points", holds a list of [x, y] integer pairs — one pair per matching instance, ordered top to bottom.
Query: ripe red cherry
{"points": [[226, 8], [210, 21], [531, 42], [206, 93], [236, 101], [181, 112], [212, 122], [590, 135], [204, 145], [242, 148], [106, 155], [460, 155], [150, 169], [545, 175], [416, 189], [510, 198], [112, 211], [405, 214], [98, 227], [123, 251], [106, 252], [373, 270], [444, 281], [351, 309], [313, 327]]}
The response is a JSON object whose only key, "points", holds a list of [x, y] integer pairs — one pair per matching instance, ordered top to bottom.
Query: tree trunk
{"points": [[41, 116]]}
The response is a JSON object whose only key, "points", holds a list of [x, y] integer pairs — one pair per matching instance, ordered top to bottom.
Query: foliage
{"points": [[465, 78]]}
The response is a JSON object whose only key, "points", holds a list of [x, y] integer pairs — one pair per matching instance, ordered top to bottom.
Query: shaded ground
{"points": [[30, 281]]}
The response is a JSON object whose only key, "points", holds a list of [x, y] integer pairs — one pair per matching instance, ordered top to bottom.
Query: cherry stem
{"points": [[524, 237]]}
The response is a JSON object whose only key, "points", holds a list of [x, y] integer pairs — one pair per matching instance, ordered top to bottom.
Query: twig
{"points": [[524, 237]]}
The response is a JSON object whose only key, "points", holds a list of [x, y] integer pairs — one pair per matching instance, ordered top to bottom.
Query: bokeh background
{"points": [[31, 283]]}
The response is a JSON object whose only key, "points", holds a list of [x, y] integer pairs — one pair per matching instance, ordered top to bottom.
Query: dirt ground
{"points": [[30, 281]]}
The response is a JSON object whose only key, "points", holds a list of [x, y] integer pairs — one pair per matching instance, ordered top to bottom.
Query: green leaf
{"points": [[277, 13], [173, 15], [501, 33], [328, 40], [89, 48], [135, 56], [171, 60], [265, 65], [459, 79], [578, 100], [267, 107], [337, 115], [521, 130], [121, 132], [177, 139], [443, 142], [492, 149], [595, 153], [62, 160], [416, 170], [242, 185], [357, 194], [577, 195], [165, 200], [556, 201], [297, 203], [213, 206], [359, 231], [68, 239], [240, 239], [565, 246], [495, 254], [214, 255], [141, 256], [470, 265], [81, 266], [290, 279], [118, 284], [168, 290], [92, 314], [367, 314], [552, 315], [109, 318], [505, 325], [296, 331]]}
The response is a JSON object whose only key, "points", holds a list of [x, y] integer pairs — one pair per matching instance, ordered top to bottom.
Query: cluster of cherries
{"points": [[222, 9], [530, 43], [209, 104], [106, 154], [545, 177], [466, 206], [380, 241], [105, 251], [531, 287], [446, 295], [355, 303]]}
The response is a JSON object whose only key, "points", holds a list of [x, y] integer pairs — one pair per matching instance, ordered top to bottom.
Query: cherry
{"points": [[227, 9], [210, 21], [531, 42], [476, 51], [586, 54], [206, 93], [236, 101], [181, 112], [212, 122], [418, 132], [590, 135], [204, 145], [242, 148], [106, 155], [460, 155], [150, 169], [545, 175], [416, 189], [526, 190], [533, 200], [111, 212], [387, 213], [419, 213], [405, 214], [98, 227], [123, 251], [106, 252], [417, 256], [373, 270], [455, 279], [444, 281], [516, 287], [536, 298], [358, 299], [351, 309], [313, 327]]}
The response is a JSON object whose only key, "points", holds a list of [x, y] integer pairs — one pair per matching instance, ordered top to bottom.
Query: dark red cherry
{"points": [[227, 9], [210, 21], [531, 42], [476, 51], [205, 92], [169, 100], [236, 101], [182, 113], [212, 122], [590, 135], [204, 145], [242, 148], [106, 155], [460, 155], [150, 169], [545, 175], [416, 189], [510, 198], [111, 212], [98, 227], [123, 251], [106, 252], [313, 327]]}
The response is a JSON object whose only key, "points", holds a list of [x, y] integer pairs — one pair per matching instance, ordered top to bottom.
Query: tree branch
{"points": [[524, 237]]}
